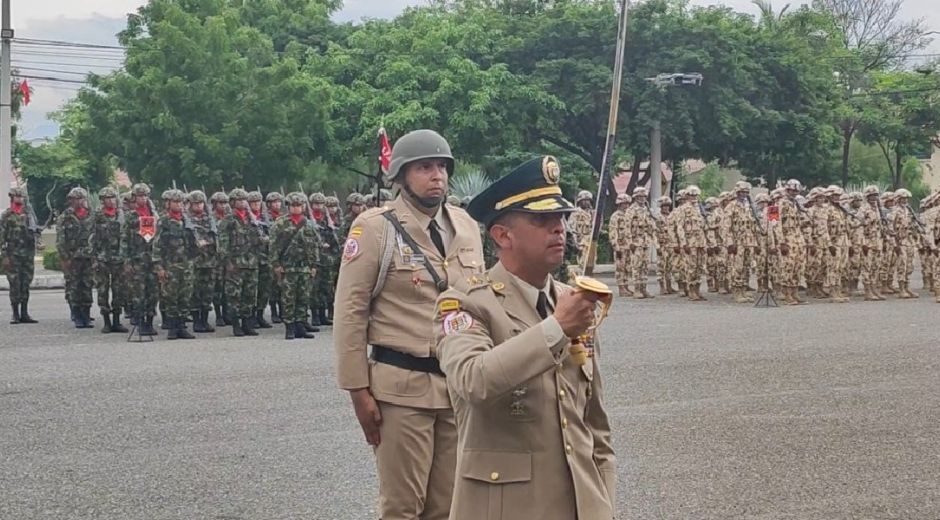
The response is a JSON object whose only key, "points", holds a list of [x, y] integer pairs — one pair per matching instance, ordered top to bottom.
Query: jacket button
{"points": [[561, 393], [564, 422], [568, 449], [494, 476]]}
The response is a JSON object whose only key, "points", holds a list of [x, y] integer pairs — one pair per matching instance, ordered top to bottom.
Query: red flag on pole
{"points": [[24, 89], [385, 150]]}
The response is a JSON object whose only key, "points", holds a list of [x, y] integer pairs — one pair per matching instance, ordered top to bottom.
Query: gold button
{"points": [[445, 264], [561, 393], [564, 423], [568, 449], [494, 476]]}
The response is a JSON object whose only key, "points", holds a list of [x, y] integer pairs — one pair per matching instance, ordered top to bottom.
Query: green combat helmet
{"points": [[416, 146], [141, 190], [17, 191], [107, 192], [78, 193], [238, 194], [173, 195], [584, 195], [197, 196], [219, 196], [255, 196], [273, 196], [318, 198], [354, 198], [296, 199], [332, 202]]}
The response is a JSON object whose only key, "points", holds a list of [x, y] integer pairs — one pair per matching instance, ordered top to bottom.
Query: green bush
{"points": [[50, 260]]}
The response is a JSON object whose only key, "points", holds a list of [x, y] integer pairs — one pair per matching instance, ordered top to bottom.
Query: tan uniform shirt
{"points": [[399, 317], [534, 438]]}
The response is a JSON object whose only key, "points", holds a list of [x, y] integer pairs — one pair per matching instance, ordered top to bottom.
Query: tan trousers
{"points": [[416, 461]]}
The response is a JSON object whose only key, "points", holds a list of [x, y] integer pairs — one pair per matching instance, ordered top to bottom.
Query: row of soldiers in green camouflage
{"points": [[836, 243], [236, 258]]}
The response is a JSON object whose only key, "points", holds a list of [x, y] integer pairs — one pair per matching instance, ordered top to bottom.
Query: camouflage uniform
{"points": [[220, 209], [818, 213], [271, 215], [931, 217], [582, 220], [339, 223], [641, 229], [73, 231], [691, 232], [18, 234], [907, 236], [619, 240], [740, 240], [239, 241], [791, 242], [871, 244], [714, 248], [890, 248], [136, 249], [173, 250], [294, 253], [665, 254], [678, 260], [837, 260], [205, 262], [763, 262], [109, 264], [265, 275], [321, 294]]}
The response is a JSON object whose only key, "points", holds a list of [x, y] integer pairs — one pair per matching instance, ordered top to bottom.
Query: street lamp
{"points": [[664, 81]]}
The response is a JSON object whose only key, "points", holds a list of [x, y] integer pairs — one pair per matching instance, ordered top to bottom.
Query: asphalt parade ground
{"points": [[822, 411]]}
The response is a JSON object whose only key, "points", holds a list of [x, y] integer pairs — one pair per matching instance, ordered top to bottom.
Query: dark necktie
{"points": [[436, 237], [542, 306]]}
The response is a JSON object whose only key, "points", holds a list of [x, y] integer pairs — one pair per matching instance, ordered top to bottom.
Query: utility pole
{"points": [[6, 109]]}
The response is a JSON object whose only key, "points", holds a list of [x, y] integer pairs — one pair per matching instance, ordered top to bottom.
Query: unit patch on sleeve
{"points": [[350, 249], [456, 322]]}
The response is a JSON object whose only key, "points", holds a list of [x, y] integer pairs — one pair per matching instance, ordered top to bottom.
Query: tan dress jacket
{"points": [[400, 316], [534, 438]]}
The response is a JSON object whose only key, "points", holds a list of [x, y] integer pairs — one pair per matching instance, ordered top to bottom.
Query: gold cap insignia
{"points": [[550, 169]]}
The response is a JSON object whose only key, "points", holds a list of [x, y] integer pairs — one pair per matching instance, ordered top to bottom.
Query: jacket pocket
{"points": [[492, 474]]}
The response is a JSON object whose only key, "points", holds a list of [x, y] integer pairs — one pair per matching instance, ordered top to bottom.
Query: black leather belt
{"points": [[401, 360]]}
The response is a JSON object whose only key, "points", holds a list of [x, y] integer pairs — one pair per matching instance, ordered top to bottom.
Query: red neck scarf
{"points": [[17, 208], [109, 211], [143, 211], [81, 212], [241, 214], [257, 214], [274, 214], [317, 214], [175, 215], [296, 219]]}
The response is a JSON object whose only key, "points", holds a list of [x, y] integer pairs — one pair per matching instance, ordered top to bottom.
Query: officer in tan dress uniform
{"points": [[392, 271], [534, 435]]}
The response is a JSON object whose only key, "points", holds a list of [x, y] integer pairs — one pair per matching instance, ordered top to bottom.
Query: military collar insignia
{"points": [[550, 169]]}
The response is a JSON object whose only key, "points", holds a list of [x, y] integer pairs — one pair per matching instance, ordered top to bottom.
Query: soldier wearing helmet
{"points": [[355, 205], [220, 208], [273, 210], [581, 223], [641, 228], [73, 230], [139, 230], [618, 230], [690, 231], [740, 231], [19, 232], [907, 232], [791, 242], [238, 243], [665, 246], [295, 250], [173, 252], [716, 256], [205, 262], [109, 263], [265, 283], [321, 294], [390, 307]]}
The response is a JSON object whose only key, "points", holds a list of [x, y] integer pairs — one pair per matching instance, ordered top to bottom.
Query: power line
{"points": [[59, 43], [68, 55], [83, 65], [52, 70], [54, 79]]}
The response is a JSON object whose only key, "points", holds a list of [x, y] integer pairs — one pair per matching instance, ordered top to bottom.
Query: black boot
{"points": [[275, 313], [16, 314], [24, 314], [73, 316], [227, 316], [315, 316], [204, 317], [219, 317], [86, 318], [324, 319], [77, 320], [260, 321], [164, 322], [197, 322], [116, 323], [248, 327], [106, 328], [146, 328], [309, 328], [237, 329], [289, 330], [181, 331], [172, 332], [301, 332]]}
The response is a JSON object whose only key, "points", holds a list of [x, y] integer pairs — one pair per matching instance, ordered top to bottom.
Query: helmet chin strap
{"points": [[426, 202]]}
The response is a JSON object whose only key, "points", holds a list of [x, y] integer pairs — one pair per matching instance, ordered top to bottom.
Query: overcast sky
{"points": [[97, 21]]}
